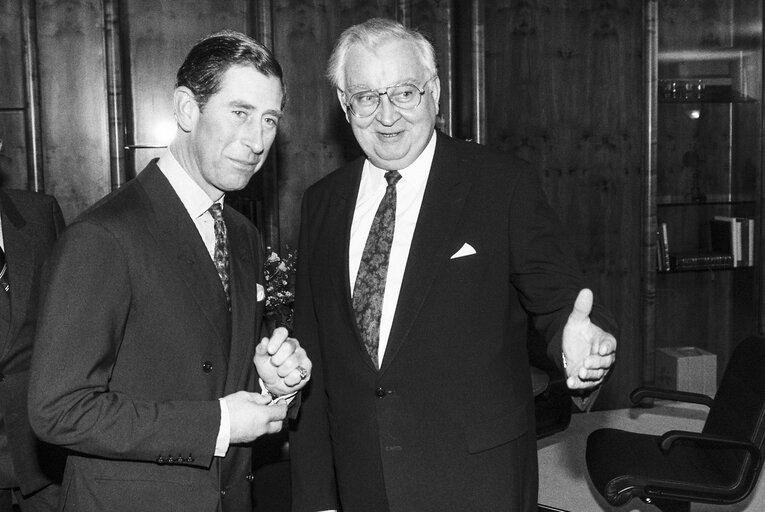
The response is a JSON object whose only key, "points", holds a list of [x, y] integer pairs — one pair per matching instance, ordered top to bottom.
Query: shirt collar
{"points": [[417, 172], [194, 199]]}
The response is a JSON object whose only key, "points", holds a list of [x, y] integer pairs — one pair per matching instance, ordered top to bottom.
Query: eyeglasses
{"points": [[403, 96]]}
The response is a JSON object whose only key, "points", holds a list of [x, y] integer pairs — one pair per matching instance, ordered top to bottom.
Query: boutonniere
{"points": [[279, 273]]}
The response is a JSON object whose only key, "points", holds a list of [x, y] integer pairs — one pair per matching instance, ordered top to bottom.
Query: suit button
{"points": [[207, 367], [380, 392], [189, 459], [250, 477], [223, 492]]}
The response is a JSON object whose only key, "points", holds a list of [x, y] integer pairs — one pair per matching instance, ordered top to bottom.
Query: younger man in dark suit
{"points": [[418, 267], [143, 363], [30, 470]]}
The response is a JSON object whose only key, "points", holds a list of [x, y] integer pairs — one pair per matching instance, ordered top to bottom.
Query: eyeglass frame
{"points": [[385, 93]]}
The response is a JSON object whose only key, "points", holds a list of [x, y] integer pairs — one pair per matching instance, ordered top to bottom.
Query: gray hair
{"points": [[371, 34]]}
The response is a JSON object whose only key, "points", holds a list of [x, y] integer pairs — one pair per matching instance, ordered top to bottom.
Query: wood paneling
{"points": [[437, 21], [158, 37], [11, 61], [564, 90], [73, 102], [314, 138], [13, 154], [13, 161]]}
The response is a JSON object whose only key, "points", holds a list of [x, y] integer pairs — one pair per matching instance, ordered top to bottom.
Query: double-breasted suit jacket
{"points": [[31, 222], [134, 348], [447, 422]]}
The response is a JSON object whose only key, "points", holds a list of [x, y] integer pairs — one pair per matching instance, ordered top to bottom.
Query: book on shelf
{"points": [[734, 235], [662, 248], [701, 261]]}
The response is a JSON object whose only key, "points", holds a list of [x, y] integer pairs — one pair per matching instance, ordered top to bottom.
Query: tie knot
{"points": [[392, 177], [216, 210]]}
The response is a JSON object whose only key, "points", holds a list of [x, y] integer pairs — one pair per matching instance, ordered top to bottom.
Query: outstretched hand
{"points": [[588, 351], [282, 363]]}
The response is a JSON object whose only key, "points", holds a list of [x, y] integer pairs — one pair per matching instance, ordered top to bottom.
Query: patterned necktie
{"points": [[220, 256], [4, 283], [369, 288]]}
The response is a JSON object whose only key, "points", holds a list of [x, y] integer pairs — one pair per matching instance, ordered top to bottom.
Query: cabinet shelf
{"points": [[689, 101], [671, 204], [705, 269]]}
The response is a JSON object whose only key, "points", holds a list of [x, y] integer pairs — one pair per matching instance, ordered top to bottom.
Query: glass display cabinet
{"points": [[704, 67]]}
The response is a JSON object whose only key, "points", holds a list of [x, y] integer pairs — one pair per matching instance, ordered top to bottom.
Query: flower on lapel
{"points": [[280, 286]]}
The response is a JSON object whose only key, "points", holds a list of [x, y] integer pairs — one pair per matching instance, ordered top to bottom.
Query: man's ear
{"points": [[435, 89], [341, 99], [185, 108]]}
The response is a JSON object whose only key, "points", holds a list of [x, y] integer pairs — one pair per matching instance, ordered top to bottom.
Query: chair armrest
{"points": [[638, 394], [671, 437]]}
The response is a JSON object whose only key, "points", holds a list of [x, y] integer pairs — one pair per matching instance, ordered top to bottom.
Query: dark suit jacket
{"points": [[31, 223], [135, 347], [447, 423]]}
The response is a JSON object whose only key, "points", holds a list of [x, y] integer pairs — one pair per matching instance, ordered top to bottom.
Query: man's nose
{"points": [[387, 113], [252, 137]]}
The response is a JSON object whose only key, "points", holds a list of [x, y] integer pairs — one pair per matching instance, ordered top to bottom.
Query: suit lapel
{"points": [[447, 188], [344, 204], [178, 238], [19, 256], [245, 309]]}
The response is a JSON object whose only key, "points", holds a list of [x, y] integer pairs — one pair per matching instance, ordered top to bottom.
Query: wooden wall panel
{"points": [[437, 21], [158, 37], [11, 61], [564, 91], [73, 102], [314, 138], [13, 154], [13, 160]]}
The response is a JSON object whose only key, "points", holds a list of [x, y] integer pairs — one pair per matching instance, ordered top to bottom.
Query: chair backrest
{"points": [[738, 410]]}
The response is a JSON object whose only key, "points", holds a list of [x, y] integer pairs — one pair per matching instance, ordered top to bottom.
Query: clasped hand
{"points": [[588, 350], [282, 363], [284, 368]]}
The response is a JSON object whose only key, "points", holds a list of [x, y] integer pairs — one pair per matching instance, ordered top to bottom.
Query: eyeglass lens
{"points": [[406, 96]]}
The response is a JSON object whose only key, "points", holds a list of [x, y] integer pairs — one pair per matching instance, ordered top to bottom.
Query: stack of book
{"points": [[735, 236], [732, 246]]}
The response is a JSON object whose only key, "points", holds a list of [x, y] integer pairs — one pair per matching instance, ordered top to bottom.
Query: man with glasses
{"points": [[419, 264]]}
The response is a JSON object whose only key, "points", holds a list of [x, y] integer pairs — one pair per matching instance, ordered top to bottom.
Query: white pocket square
{"points": [[465, 250], [261, 292]]}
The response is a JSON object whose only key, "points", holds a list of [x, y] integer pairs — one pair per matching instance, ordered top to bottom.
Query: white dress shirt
{"points": [[410, 190], [197, 203]]}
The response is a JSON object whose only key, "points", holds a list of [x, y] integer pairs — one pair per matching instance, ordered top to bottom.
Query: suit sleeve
{"points": [[543, 266], [84, 310], [311, 461]]}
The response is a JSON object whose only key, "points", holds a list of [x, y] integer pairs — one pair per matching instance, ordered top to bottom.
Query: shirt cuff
{"points": [[275, 400], [224, 433]]}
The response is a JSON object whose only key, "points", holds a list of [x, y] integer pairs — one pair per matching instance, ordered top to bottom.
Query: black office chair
{"points": [[719, 465]]}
